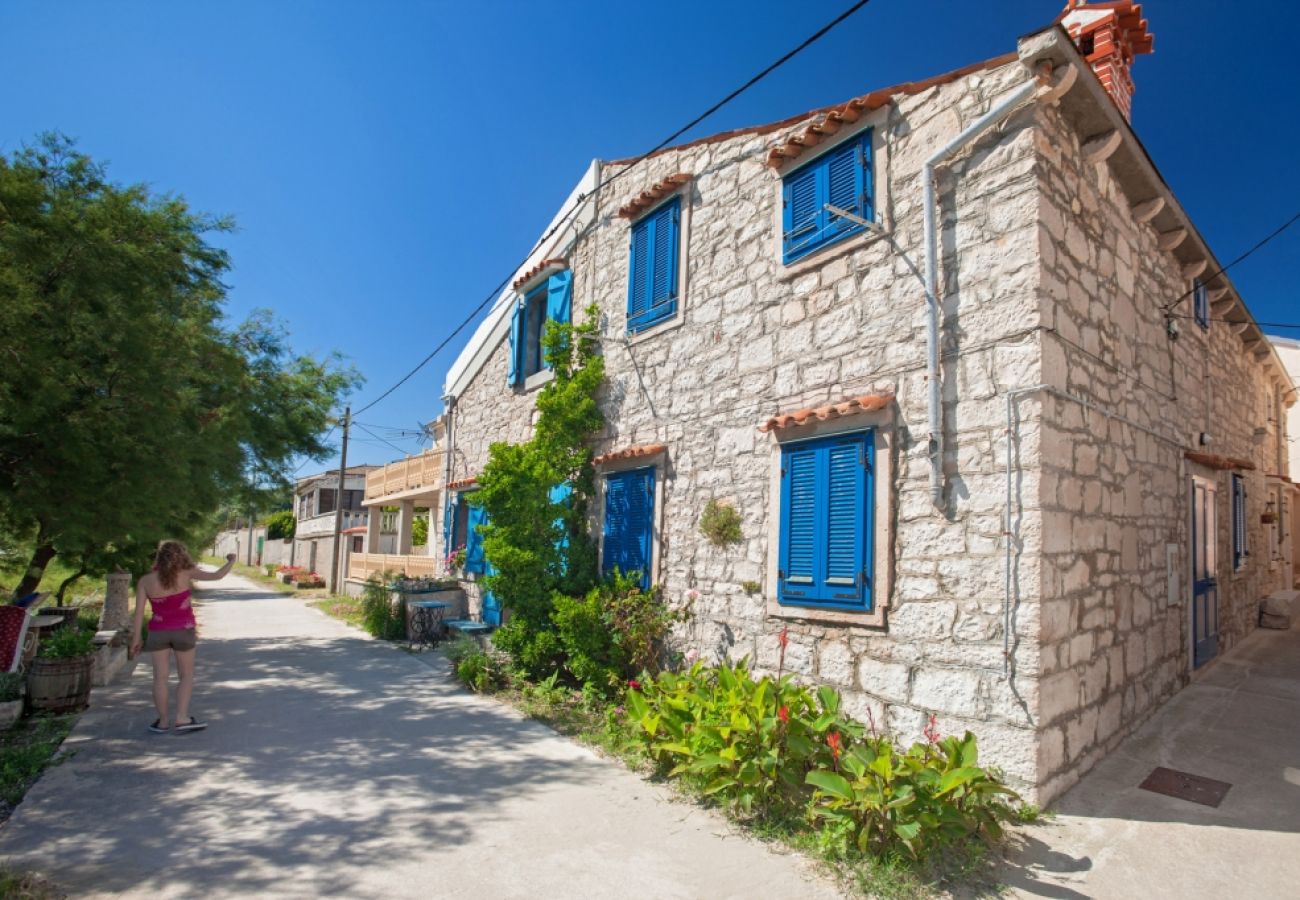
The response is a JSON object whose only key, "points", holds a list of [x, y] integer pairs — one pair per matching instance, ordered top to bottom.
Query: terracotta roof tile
{"points": [[827, 121], [653, 195], [558, 262], [865, 403], [630, 453], [1215, 461], [462, 484], [359, 529]]}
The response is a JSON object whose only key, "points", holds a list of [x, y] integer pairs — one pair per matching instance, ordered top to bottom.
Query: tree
{"points": [[129, 408], [537, 495], [280, 525], [420, 527]]}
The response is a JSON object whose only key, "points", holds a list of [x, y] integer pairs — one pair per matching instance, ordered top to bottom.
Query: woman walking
{"points": [[171, 630]]}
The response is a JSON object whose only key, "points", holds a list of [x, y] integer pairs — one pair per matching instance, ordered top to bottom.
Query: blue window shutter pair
{"points": [[840, 178], [652, 267], [1200, 303], [559, 308], [826, 509], [448, 516], [629, 523], [1240, 550], [475, 560]]}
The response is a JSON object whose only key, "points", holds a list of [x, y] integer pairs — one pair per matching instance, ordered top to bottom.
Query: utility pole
{"points": [[249, 555], [332, 584]]}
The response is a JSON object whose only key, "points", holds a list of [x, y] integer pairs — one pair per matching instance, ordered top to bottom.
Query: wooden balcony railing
{"points": [[423, 471], [363, 565]]}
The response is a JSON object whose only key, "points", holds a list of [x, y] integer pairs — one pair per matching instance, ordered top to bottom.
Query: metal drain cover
{"points": [[1184, 786]]}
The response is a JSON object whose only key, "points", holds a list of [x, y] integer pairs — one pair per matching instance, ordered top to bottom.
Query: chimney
{"points": [[1109, 36]]}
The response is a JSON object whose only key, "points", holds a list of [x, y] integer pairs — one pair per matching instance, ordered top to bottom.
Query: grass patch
{"points": [[13, 563], [342, 607], [25, 751], [26, 886]]}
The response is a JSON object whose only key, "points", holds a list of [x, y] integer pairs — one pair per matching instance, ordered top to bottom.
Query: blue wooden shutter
{"points": [[839, 178], [844, 178], [799, 216], [638, 286], [652, 287], [559, 297], [514, 363], [846, 474], [560, 495], [448, 513], [629, 522], [799, 524], [475, 561]]}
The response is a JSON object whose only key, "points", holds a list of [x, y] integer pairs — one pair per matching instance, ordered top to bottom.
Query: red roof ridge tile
{"points": [[654, 194], [536, 270], [852, 406], [636, 452]]}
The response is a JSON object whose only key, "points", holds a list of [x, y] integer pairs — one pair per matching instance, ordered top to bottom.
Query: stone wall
{"points": [[753, 338], [1115, 488]]}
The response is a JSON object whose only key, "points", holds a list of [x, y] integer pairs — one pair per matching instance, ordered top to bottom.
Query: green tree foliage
{"points": [[130, 409], [280, 525], [420, 529], [539, 545]]}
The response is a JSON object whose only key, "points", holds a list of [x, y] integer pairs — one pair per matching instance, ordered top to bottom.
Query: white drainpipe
{"points": [[1016, 98]]}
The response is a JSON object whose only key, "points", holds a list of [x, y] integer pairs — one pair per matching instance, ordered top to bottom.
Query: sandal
{"points": [[192, 725], [158, 727]]}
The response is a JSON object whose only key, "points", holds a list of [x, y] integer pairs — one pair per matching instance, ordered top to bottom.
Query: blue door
{"points": [[629, 520], [1205, 565]]}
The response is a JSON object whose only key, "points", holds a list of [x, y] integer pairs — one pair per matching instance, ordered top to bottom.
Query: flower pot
{"points": [[59, 685]]}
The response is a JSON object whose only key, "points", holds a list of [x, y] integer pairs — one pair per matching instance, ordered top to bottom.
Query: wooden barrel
{"points": [[59, 685]]}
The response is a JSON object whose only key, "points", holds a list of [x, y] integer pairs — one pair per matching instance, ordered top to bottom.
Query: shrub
{"points": [[720, 523], [280, 526], [378, 615], [614, 632], [68, 642], [484, 672], [11, 686], [747, 743], [887, 801]]}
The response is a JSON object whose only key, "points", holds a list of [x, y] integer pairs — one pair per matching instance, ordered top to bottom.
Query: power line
{"points": [[803, 45], [1283, 227], [1236, 321], [378, 438]]}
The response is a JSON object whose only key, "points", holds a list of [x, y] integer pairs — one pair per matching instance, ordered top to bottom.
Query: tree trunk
{"points": [[41, 557], [67, 583]]}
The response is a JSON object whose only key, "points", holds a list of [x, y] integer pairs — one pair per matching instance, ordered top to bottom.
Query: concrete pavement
{"points": [[1238, 723], [335, 765]]}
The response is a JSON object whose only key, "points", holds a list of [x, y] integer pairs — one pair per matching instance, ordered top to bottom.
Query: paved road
{"points": [[1239, 723], [335, 765]]}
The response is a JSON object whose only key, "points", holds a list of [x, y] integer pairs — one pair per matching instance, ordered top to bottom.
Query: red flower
{"points": [[784, 637], [634, 684], [783, 714], [931, 730], [833, 741]]}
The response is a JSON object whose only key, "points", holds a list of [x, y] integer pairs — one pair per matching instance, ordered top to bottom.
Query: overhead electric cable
{"points": [[1281, 228], [492, 295]]}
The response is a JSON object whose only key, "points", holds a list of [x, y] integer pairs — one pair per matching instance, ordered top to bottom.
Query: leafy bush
{"points": [[720, 523], [280, 526], [420, 531], [379, 616], [614, 632], [68, 642], [484, 672], [11, 686], [747, 743], [886, 800]]}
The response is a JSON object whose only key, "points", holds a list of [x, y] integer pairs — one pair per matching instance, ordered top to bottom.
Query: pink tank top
{"points": [[171, 613]]}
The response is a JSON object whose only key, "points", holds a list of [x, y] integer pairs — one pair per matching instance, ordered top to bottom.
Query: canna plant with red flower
{"points": [[784, 640], [633, 684], [784, 715], [931, 730], [833, 741]]}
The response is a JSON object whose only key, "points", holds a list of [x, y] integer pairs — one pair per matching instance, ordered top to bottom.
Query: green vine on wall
{"points": [[720, 523]]}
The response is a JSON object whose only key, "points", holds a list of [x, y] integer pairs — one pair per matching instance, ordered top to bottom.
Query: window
{"points": [[840, 178], [652, 267], [552, 301], [1200, 303], [325, 501], [628, 538], [825, 540], [356, 543], [1240, 547]]}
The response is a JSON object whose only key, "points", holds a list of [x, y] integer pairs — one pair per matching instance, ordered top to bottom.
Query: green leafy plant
{"points": [[537, 495], [720, 523], [280, 525], [420, 530], [751, 587], [379, 615], [613, 633], [68, 642], [484, 671], [11, 686], [748, 743], [884, 800]]}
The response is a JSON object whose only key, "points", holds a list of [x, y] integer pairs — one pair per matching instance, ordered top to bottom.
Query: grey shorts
{"points": [[180, 639]]}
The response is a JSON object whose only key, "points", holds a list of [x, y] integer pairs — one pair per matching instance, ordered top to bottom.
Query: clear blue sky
{"points": [[388, 162]]}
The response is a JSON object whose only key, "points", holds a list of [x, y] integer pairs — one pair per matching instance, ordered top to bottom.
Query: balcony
{"points": [[416, 477], [319, 526], [363, 565]]}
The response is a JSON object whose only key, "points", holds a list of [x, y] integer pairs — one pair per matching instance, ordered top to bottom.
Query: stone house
{"points": [[998, 431], [316, 498], [1289, 521]]}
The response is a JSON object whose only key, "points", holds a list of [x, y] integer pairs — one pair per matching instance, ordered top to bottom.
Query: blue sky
{"points": [[389, 162]]}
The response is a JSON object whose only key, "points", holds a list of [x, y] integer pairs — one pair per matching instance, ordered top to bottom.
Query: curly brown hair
{"points": [[172, 559]]}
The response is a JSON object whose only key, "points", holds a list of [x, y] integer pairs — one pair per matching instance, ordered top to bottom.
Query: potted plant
{"points": [[310, 580], [59, 677], [11, 697]]}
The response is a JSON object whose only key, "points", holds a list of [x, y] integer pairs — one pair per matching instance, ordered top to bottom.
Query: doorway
{"points": [[1205, 565]]}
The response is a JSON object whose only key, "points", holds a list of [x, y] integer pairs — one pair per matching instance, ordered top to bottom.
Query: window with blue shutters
{"points": [[840, 178], [652, 267], [550, 301], [1201, 303], [826, 505], [475, 518], [628, 536], [1240, 547]]}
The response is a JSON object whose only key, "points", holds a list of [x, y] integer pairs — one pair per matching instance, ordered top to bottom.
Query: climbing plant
{"points": [[537, 495]]}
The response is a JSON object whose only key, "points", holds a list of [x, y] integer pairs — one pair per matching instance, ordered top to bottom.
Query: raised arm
{"points": [[197, 574]]}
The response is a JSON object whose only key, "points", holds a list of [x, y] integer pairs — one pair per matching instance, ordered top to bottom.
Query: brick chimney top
{"points": [[1110, 35]]}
